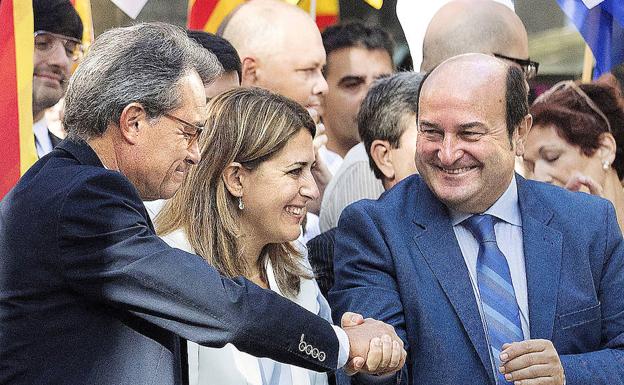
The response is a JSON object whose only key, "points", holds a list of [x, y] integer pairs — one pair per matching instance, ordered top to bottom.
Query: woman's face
{"points": [[550, 158], [275, 194]]}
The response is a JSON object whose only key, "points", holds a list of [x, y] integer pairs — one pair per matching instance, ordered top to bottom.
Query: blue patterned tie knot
{"points": [[482, 227], [496, 291]]}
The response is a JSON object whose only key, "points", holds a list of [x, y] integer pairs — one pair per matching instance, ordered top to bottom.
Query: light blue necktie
{"points": [[498, 298]]}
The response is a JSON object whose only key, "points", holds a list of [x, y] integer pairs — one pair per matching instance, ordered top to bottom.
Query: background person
{"points": [[58, 34], [577, 139]]}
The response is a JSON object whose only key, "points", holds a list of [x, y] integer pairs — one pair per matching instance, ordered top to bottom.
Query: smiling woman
{"points": [[240, 209]]}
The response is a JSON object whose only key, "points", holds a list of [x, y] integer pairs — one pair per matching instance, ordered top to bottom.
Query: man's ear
{"points": [[249, 71], [132, 120], [521, 133], [607, 148], [380, 152], [234, 177]]}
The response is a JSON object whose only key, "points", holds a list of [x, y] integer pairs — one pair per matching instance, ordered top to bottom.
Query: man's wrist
{"points": [[344, 346]]}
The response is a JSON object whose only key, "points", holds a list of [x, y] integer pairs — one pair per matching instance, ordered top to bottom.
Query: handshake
{"points": [[375, 347]]}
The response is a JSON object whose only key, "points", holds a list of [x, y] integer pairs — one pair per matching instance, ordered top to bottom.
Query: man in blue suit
{"points": [[487, 277], [88, 293]]}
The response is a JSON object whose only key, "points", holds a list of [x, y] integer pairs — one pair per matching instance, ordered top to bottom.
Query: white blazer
{"points": [[229, 366]]}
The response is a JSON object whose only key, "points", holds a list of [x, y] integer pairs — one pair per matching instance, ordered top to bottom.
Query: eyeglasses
{"points": [[46, 41], [529, 67], [569, 84], [191, 136]]}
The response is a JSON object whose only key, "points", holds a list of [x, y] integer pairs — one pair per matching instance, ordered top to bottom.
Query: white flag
{"points": [[592, 3], [130, 7]]}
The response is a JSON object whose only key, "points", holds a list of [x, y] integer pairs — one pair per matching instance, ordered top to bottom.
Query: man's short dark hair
{"points": [[57, 16], [356, 34], [223, 50], [516, 96], [383, 111]]}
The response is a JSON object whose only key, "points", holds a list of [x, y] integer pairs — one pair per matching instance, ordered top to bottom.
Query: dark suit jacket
{"points": [[321, 257], [397, 259], [90, 295]]}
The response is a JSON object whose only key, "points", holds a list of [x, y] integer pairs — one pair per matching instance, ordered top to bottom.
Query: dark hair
{"points": [[57, 16], [356, 34], [223, 50], [516, 97], [383, 111], [580, 125]]}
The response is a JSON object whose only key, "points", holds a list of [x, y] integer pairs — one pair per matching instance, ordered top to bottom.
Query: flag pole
{"points": [[313, 9], [588, 65]]}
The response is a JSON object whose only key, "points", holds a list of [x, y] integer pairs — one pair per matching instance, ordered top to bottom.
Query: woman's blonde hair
{"points": [[245, 125]]}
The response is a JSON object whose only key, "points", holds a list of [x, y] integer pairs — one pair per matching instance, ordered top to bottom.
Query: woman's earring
{"points": [[605, 165], [241, 205]]}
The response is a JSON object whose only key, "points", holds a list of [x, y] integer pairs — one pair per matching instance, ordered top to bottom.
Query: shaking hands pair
{"points": [[375, 346]]}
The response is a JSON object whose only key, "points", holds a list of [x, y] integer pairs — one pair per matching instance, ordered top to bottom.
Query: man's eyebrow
{"points": [[350, 78], [427, 123], [472, 125]]}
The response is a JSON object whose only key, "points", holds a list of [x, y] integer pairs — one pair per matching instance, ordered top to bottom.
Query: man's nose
{"points": [[320, 86], [449, 151], [194, 155]]}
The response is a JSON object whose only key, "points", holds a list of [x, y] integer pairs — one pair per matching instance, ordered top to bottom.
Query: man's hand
{"points": [[321, 173], [375, 347], [531, 362]]}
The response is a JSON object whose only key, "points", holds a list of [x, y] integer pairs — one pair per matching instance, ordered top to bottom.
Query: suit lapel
{"points": [[438, 245], [542, 255]]}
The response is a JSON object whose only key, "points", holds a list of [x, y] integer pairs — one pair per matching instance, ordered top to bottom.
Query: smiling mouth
{"points": [[456, 171], [296, 211]]}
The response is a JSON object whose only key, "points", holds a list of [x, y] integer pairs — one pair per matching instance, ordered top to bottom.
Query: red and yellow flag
{"points": [[83, 7], [207, 15], [17, 147]]}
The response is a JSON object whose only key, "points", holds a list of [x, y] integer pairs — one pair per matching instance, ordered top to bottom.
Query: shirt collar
{"points": [[506, 208]]}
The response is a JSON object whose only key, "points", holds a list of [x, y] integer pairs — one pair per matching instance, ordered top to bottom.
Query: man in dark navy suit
{"points": [[88, 293]]}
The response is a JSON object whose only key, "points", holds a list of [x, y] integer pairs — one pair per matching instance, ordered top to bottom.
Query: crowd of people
{"points": [[279, 206]]}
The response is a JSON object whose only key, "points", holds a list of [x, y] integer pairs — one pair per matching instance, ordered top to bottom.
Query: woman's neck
{"points": [[613, 191], [251, 250]]}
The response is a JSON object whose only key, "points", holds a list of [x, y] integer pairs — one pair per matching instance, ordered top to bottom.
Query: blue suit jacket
{"points": [[397, 259], [90, 295]]}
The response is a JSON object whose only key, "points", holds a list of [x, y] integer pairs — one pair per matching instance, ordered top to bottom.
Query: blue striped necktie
{"points": [[498, 298]]}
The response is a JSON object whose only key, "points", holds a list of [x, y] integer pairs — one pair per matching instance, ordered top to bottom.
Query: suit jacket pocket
{"points": [[579, 317]]}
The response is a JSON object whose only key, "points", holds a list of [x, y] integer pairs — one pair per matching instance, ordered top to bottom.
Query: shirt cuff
{"points": [[343, 350]]}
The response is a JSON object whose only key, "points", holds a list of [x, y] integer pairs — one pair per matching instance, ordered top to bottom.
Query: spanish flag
{"points": [[207, 15], [17, 147]]}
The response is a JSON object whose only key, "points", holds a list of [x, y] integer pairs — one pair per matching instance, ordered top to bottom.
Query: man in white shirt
{"points": [[58, 34]]}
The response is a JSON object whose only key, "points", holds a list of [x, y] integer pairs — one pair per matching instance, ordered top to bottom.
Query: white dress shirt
{"points": [[43, 144], [353, 181]]}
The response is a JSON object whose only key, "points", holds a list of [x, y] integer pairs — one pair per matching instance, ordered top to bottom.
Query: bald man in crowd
{"points": [[477, 26], [281, 49]]}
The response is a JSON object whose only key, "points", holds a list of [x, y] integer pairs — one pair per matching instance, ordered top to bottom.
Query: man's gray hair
{"points": [[142, 63], [383, 111]]}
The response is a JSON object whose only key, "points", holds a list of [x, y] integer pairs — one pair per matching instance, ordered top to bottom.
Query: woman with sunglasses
{"points": [[577, 141]]}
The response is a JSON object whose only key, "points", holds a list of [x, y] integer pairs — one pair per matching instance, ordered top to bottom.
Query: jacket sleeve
{"points": [[110, 254], [365, 280], [605, 366]]}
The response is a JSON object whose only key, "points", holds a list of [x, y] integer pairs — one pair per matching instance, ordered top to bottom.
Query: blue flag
{"points": [[602, 27]]}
